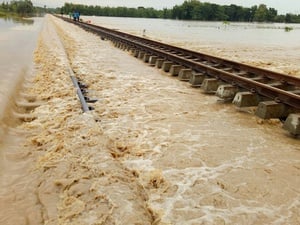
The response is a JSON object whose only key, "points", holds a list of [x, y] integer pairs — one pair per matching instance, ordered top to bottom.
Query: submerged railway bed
{"points": [[274, 95], [161, 152]]}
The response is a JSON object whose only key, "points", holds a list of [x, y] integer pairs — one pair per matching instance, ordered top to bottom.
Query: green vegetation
{"points": [[22, 9], [189, 10], [108, 11], [288, 29]]}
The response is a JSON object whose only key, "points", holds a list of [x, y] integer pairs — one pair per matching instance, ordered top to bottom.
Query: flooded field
{"points": [[162, 152]]}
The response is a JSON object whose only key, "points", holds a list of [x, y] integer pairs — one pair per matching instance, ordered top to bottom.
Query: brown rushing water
{"points": [[162, 153]]}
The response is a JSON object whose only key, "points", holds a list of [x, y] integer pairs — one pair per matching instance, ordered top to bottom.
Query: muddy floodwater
{"points": [[18, 38], [17, 42], [153, 150]]}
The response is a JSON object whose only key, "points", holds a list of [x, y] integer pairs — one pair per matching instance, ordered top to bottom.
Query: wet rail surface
{"points": [[274, 94]]}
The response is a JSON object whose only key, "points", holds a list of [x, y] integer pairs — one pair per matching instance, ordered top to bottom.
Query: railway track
{"points": [[274, 95]]}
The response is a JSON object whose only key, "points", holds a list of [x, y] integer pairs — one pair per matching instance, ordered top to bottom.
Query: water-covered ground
{"points": [[18, 38], [161, 151]]}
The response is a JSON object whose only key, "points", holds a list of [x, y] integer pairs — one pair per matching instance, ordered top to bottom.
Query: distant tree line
{"points": [[23, 8], [190, 10], [111, 11]]}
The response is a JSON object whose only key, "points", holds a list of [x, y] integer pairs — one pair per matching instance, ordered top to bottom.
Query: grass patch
{"points": [[288, 29]]}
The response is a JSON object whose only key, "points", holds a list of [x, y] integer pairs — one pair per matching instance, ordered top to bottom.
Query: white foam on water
{"points": [[143, 165]]}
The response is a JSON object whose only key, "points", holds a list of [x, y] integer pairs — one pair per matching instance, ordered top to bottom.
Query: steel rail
{"points": [[197, 55], [192, 60], [277, 94], [84, 105]]}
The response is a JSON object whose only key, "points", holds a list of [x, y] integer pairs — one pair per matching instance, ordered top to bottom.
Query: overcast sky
{"points": [[283, 6]]}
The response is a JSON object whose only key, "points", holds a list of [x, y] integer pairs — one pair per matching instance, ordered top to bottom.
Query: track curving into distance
{"points": [[267, 85]]}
